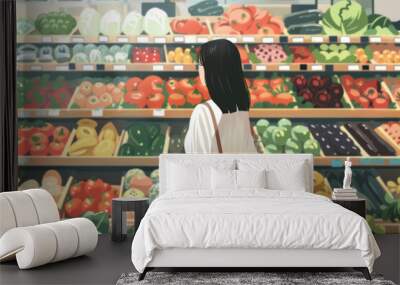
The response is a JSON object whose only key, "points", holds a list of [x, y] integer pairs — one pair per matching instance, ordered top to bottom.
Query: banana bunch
{"points": [[89, 143], [320, 186], [394, 187]]}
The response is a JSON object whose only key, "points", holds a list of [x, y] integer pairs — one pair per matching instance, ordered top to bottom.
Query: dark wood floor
{"points": [[110, 260]]}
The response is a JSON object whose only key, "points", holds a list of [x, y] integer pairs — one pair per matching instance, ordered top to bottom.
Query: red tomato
{"points": [[347, 81], [359, 82], [260, 83], [133, 84], [150, 85], [172, 86], [185, 86], [202, 89], [354, 94], [135, 98], [194, 98], [155, 100], [176, 100], [364, 102], [380, 103], [47, 129], [25, 131], [61, 134], [38, 138], [23, 146], [56, 148], [39, 149], [100, 186], [88, 188], [76, 191], [115, 192], [107, 196], [89, 204], [104, 206], [73, 208]]}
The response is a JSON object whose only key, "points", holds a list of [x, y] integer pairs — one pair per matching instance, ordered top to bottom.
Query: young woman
{"points": [[222, 124]]}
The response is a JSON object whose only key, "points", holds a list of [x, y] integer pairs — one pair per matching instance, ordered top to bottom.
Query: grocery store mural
{"points": [[104, 87]]}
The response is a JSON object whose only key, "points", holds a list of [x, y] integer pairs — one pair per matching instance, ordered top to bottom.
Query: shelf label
{"points": [[217, 38], [46, 39], [77, 39], [103, 39], [122, 39], [142, 39], [179, 39], [190, 39], [232, 39], [247, 39], [316, 39], [375, 39], [160, 40], [202, 40], [268, 40], [298, 40], [345, 40], [397, 40], [36, 67], [63, 67], [88, 67], [119, 67], [158, 67], [178, 67], [261, 67], [284, 67], [317, 67], [353, 67], [381, 67], [396, 67], [54, 112], [21, 113], [41, 113], [97, 113], [159, 113], [23, 160], [336, 163]]}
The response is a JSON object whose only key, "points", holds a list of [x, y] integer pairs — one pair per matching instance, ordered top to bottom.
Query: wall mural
{"points": [[104, 87]]}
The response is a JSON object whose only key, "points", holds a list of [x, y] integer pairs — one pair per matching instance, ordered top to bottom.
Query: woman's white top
{"points": [[234, 130]]}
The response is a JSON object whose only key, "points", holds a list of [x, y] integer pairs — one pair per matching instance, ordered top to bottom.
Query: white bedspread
{"points": [[250, 219]]}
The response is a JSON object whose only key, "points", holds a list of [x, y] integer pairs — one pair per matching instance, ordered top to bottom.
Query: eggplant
{"points": [[305, 29]]}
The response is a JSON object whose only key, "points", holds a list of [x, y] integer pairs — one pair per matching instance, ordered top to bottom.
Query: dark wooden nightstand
{"points": [[357, 206], [119, 208]]}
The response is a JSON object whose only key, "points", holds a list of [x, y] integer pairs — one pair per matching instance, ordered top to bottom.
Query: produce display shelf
{"points": [[199, 39], [159, 67], [186, 113], [152, 161]]}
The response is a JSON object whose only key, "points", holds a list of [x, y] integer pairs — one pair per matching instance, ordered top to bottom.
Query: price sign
{"points": [[46, 39], [77, 39], [103, 39], [122, 39], [142, 39], [179, 39], [190, 39], [232, 39], [247, 39], [317, 39], [375, 39], [160, 40], [202, 40], [268, 40], [298, 40], [345, 40], [397, 40], [36, 67], [63, 67], [88, 67], [119, 67], [158, 67], [178, 67], [261, 67], [284, 67], [316, 67], [353, 67], [381, 67], [396, 67], [54, 112], [21, 113], [97, 113], [159, 113]]}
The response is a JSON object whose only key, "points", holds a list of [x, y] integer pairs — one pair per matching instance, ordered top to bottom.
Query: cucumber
{"points": [[198, 8], [303, 17], [305, 29]]}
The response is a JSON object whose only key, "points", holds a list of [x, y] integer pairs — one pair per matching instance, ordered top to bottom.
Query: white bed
{"points": [[248, 227]]}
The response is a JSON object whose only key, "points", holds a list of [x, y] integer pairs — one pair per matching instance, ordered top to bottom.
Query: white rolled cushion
{"points": [[251, 178], [223, 179], [45, 205], [23, 208], [7, 218], [87, 235], [66, 238], [36, 244]]}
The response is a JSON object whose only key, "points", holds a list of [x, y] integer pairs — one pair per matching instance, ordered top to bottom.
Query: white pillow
{"points": [[290, 174], [183, 177], [251, 178], [223, 179]]}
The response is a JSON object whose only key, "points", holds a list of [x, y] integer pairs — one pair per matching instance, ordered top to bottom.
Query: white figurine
{"points": [[347, 174]]}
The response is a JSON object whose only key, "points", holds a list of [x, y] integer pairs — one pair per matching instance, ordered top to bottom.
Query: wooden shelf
{"points": [[199, 39], [186, 113], [153, 161]]}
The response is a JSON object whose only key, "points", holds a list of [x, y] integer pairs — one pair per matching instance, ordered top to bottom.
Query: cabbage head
{"points": [[346, 17], [89, 22], [156, 22], [110, 23], [133, 24]]}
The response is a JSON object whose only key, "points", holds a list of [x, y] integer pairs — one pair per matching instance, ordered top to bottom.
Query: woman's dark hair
{"points": [[224, 75]]}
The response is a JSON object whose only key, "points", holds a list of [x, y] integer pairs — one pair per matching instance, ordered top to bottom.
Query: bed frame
{"points": [[245, 258]]}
